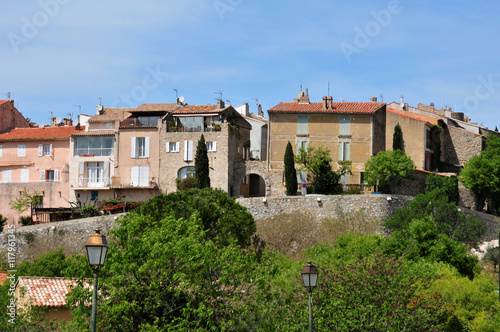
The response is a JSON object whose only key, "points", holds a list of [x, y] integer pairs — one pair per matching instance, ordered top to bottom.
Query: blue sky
{"points": [[60, 53]]}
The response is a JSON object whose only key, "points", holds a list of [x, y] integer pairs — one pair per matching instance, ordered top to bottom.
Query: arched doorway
{"points": [[252, 185]]}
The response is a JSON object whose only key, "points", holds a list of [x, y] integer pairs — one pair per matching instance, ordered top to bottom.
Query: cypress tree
{"points": [[397, 138], [201, 166], [290, 173]]}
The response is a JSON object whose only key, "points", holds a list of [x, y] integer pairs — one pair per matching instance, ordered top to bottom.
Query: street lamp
{"points": [[97, 248], [310, 277]]}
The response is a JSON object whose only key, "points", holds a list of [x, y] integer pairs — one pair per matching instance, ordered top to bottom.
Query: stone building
{"points": [[10, 117], [352, 131], [227, 136]]}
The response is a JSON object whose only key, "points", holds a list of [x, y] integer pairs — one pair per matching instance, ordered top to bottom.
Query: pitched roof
{"points": [[4, 101], [165, 107], [338, 107], [198, 109], [112, 113], [415, 116], [95, 133], [36, 134], [47, 291]]}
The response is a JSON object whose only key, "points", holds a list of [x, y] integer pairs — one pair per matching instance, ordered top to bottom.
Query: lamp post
{"points": [[97, 248], [310, 277]]}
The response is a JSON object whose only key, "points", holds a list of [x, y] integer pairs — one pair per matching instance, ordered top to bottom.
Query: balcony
{"points": [[90, 183]]}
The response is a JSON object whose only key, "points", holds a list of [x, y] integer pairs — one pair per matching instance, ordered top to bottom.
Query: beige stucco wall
{"points": [[323, 129], [413, 136]]}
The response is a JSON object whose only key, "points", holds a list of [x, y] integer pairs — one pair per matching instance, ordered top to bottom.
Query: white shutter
{"points": [[177, 146], [214, 146], [133, 147], [167, 147], [21, 150], [40, 150], [50, 150], [188, 150], [341, 151], [347, 152], [146, 153], [81, 173], [106, 173], [25, 175], [42, 175], [56, 175], [7, 176], [134, 176], [143, 176]]}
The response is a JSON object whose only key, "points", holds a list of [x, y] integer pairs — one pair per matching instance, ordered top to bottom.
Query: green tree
{"points": [[397, 138], [317, 161], [201, 165], [387, 168], [290, 172], [482, 173], [445, 185], [26, 201], [449, 221], [3, 222], [51, 264], [168, 274]]}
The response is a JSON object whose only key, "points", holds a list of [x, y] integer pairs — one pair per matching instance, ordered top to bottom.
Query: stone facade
{"points": [[460, 145]]}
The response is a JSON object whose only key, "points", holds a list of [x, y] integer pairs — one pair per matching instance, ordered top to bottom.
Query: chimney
{"points": [[374, 99], [330, 102], [220, 104], [325, 106], [432, 106], [247, 109], [261, 112], [53, 121], [68, 121]]}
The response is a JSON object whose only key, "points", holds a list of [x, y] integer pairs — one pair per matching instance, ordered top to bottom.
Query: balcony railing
{"points": [[90, 182]]}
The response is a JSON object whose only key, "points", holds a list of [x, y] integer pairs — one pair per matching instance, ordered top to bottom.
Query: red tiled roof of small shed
{"points": [[338, 107], [198, 109], [112, 113], [35, 134], [3, 277], [47, 291]]}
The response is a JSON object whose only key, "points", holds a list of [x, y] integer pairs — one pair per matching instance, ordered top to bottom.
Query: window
{"points": [[148, 121], [302, 121], [191, 123], [344, 125], [302, 145], [94, 146], [172, 146], [211, 146], [140, 147], [21, 150], [44, 150], [188, 150], [344, 151], [186, 172], [97, 173], [25, 175], [47, 175], [7, 176], [139, 176], [301, 177], [344, 178], [362, 179], [94, 195]]}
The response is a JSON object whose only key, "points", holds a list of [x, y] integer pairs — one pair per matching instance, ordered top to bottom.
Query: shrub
{"points": [[185, 184], [25, 220]]}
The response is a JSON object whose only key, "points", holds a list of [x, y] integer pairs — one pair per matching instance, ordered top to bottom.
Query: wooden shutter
{"points": [[167, 147], [40, 150], [50, 150], [188, 150], [146, 152], [106, 173], [81, 174], [42, 175], [56, 175], [134, 176]]}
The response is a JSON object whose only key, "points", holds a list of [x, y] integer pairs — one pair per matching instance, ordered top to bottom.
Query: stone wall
{"points": [[460, 145], [381, 206], [71, 235]]}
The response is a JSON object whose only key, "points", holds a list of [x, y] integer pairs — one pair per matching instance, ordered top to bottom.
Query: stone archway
{"points": [[252, 169]]}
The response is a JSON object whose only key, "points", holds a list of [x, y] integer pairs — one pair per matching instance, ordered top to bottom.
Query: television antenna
{"points": [[219, 93], [176, 94], [7, 95], [100, 100], [228, 101], [256, 101], [79, 109]]}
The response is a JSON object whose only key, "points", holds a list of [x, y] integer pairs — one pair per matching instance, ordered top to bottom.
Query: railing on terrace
{"points": [[82, 182]]}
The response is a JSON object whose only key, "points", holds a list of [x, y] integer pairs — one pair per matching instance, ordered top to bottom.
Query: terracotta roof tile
{"points": [[4, 101], [165, 107], [338, 108], [198, 109], [112, 113], [415, 116], [47, 133], [95, 133], [47, 291]]}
